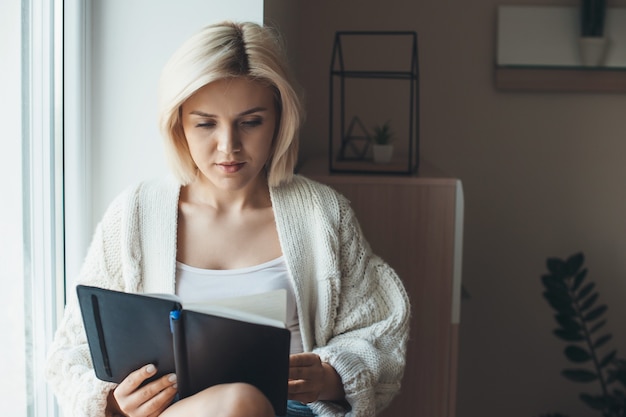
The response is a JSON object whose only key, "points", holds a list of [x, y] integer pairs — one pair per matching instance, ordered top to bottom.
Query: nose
{"points": [[228, 140]]}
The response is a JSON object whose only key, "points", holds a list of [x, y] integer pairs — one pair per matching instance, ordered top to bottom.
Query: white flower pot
{"points": [[593, 50], [382, 153]]}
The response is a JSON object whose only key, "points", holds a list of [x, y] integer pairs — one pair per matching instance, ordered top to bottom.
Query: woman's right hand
{"points": [[132, 399]]}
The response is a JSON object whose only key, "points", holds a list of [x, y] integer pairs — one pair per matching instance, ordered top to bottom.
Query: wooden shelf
{"points": [[537, 49], [402, 75], [559, 79], [399, 164], [416, 224]]}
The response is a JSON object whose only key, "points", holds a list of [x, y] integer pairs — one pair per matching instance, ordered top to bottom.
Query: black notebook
{"points": [[226, 341]]}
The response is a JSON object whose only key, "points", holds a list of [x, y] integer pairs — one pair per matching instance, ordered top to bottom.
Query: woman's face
{"points": [[229, 126]]}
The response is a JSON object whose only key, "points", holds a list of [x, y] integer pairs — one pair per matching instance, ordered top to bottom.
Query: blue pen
{"points": [[174, 315]]}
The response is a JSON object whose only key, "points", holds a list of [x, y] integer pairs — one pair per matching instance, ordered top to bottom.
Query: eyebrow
{"points": [[243, 113]]}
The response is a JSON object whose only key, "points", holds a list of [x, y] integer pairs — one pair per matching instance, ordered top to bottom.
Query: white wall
{"points": [[131, 41]]}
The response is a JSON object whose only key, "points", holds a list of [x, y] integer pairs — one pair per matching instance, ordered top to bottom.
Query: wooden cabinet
{"points": [[415, 224]]}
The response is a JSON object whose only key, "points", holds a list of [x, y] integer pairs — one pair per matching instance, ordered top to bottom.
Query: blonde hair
{"points": [[227, 50]]}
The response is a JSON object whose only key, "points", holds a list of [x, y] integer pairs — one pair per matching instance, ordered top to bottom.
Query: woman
{"points": [[236, 220]]}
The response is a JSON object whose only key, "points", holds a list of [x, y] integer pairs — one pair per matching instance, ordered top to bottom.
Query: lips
{"points": [[230, 166]]}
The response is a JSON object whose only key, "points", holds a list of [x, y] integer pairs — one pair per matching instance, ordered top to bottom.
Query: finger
{"points": [[304, 359], [304, 366], [313, 372], [299, 373], [135, 379], [299, 386], [149, 391], [301, 391], [144, 397], [159, 402]]}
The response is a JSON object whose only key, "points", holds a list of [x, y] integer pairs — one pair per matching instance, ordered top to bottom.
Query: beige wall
{"points": [[543, 174]]}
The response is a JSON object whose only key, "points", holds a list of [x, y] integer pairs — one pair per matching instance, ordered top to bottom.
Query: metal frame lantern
{"points": [[364, 90]]}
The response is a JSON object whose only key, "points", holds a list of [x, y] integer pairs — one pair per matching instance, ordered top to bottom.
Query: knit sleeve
{"points": [[368, 343], [69, 369]]}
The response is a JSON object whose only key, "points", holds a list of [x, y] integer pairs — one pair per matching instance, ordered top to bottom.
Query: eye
{"points": [[249, 123], [205, 125]]}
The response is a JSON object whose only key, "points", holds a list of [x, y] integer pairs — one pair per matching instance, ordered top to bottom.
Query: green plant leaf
{"points": [[383, 134], [573, 264], [556, 266], [578, 279], [554, 284], [585, 291], [559, 296], [588, 302], [560, 303], [595, 313], [567, 322], [597, 326], [568, 336], [602, 340], [576, 354], [608, 358], [620, 372], [579, 375], [611, 378], [596, 402], [615, 404]]}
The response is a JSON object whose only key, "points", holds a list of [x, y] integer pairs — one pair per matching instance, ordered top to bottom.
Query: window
{"points": [[46, 174], [32, 227], [13, 385]]}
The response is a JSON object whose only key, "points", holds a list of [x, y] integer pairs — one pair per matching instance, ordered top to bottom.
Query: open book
{"points": [[241, 339]]}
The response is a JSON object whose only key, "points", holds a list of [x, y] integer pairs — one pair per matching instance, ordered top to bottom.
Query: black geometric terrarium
{"points": [[374, 101]]}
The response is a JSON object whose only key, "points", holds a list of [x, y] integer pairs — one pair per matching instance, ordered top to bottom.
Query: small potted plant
{"points": [[593, 43], [382, 146]]}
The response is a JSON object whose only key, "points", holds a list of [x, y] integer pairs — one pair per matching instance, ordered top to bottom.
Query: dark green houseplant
{"points": [[592, 18], [593, 44], [383, 135], [382, 138], [581, 321]]}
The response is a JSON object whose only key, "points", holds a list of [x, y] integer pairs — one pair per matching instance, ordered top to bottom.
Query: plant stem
{"points": [[587, 335]]}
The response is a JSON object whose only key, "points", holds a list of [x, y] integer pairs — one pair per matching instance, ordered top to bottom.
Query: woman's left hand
{"points": [[310, 379]]}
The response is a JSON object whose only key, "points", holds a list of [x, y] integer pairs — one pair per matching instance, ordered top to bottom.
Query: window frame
{"points": [[42, 193], [78, 201]]}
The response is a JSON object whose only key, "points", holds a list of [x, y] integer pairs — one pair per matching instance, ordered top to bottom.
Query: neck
{"points": [[255, 195]]}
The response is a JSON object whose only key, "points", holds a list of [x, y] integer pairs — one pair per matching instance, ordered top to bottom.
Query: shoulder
{"points": [[157, 187], [301, 187], [150, 189], [142, 195], [309, 199]]}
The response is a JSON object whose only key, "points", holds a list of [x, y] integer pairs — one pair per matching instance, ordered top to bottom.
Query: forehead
{"points": [[232, 94]]}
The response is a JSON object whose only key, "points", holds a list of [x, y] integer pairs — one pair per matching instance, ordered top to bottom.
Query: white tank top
{"points": [[201, 285]]}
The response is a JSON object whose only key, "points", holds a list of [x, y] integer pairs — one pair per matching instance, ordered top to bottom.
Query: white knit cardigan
{"points": [[352, 307]]}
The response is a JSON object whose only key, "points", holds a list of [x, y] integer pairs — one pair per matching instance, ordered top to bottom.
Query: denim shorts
{"points": [[297, 409]]}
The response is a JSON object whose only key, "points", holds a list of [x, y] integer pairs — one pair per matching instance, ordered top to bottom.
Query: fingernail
{"points": [[150, 369], [172, 378]]}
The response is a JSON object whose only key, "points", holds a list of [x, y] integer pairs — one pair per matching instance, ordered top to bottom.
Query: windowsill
{"points": [[561, 79]]}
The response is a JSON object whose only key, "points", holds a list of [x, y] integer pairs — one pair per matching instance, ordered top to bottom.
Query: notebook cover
{"points": [[126, 331], [221, 350]]}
